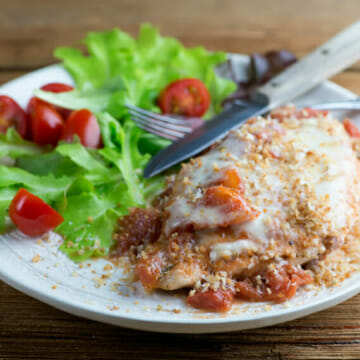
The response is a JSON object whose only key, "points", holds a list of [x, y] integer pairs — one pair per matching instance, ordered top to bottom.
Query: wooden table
{"points": [[29, 30]]}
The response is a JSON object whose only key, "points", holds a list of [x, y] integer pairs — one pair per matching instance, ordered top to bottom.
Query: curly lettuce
{"points": [[92, 188]]}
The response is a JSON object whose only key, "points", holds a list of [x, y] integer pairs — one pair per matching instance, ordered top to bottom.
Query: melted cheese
{"points": [[316, 172], [229, 249]]}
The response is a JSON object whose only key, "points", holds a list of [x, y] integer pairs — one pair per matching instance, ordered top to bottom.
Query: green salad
{"points": [[91, 188]]}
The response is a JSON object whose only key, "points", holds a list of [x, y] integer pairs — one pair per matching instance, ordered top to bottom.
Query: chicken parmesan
{"points": [[252, 214]]}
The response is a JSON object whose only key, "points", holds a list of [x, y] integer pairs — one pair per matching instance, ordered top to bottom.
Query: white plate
{"points": [[59, 282]]}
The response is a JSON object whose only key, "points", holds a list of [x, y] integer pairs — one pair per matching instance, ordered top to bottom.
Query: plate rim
{"points": [[184, 325]]}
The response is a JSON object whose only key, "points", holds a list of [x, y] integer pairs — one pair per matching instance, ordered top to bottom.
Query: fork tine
{"points": [[159, 117], [156, 127], [180, 128], [163, 135]]}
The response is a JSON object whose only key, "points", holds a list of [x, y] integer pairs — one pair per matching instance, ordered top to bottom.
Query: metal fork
{"points": [[168, 127], [175, 127]]}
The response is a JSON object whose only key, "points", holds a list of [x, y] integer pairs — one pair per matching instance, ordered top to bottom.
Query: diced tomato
{"points": [[188, 97], [12, 115], [83, 123], [46, 125], [351, 128], [231, 179], [220, 195], [230, 201], [32, 215], [139, 227], [149, 269], [277, 285], [246, 289], [214, 301]]}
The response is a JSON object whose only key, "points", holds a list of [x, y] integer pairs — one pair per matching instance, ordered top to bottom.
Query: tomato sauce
{"points": [[229, 201], [139, 227], [149, 269], [279, 284], [210, 300]]}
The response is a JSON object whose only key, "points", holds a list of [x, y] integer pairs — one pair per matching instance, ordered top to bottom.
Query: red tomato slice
{"points": [[55, 88], [59, 88], [187, 97], [31, 106], [11, 114], [82, 123], [46, 125], [32, 215]]}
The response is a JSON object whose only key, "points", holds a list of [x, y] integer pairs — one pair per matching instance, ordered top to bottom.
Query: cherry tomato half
{"points": [[55, 88], [187, 97], [31, 106], [11, 114], [82, 123], [46, 125], [32, 215]]}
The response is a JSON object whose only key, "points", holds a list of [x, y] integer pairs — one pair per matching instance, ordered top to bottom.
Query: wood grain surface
{"points": [[29, 31]]}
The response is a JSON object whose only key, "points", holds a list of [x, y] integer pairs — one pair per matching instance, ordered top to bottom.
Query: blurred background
{"points": [[30, 30]]}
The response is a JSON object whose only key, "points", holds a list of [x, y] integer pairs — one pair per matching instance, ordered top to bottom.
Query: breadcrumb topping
{"points": [[279, 193]]}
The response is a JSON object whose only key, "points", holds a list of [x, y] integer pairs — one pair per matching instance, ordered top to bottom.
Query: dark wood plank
{"points": [[29, 30], [349, 80], [32, 330]]}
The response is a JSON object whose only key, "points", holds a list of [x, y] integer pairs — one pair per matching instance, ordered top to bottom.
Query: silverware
{"points": [[324, 62], [353, 104], [168, 127], [174, 128]]}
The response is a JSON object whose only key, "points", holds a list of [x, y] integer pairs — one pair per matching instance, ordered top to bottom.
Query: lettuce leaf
{"points": [[119, 69], [94, 99], [124, 140], [13, 145], [49, 163], [100, 186], [48, 188], [91, 188], [90, 207], [90, 216]]}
